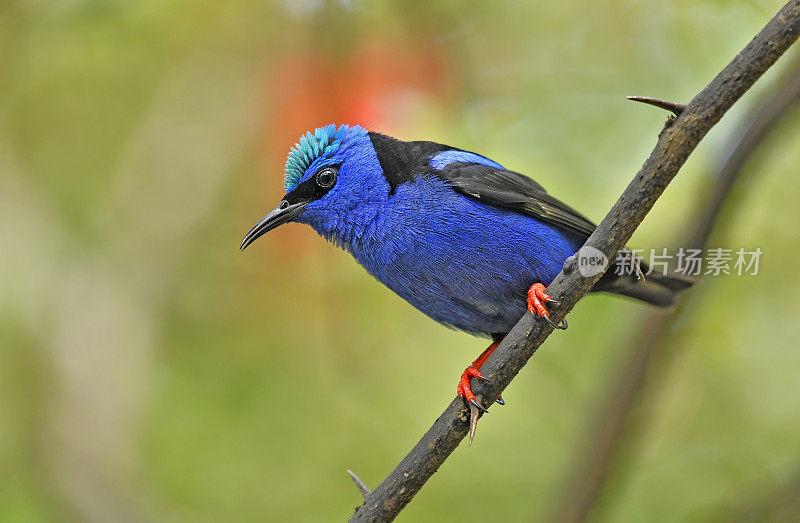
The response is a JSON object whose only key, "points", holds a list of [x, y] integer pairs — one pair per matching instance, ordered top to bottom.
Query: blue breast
{"points": [[463, 263]]}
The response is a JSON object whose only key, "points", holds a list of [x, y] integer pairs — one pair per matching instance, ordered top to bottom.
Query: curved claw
{"points": [[537, 295], [548, 320], [561, 326], [465, 391], [478, 405]]}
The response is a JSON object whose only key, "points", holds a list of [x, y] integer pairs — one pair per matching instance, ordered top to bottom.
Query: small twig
{"points": [[674, 107], [474, 415], [362, 487]]}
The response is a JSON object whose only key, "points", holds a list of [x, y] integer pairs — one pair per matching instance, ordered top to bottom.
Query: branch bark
{"points": [[676, 142], [651, 354]]}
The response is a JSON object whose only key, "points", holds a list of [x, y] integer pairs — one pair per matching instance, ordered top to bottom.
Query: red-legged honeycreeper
{"points": [[464, 240]]}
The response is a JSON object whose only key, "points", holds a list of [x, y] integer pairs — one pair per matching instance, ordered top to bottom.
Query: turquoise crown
{"points": [[323, 142]]}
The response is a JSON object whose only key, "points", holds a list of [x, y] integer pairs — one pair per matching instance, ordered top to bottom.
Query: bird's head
{"points": [[331, 175]]}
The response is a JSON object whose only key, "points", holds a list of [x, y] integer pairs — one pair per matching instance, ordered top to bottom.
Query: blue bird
{"points": [[461, 238]]}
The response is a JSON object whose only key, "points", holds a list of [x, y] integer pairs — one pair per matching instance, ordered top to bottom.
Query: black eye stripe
{"points": [[309, 190]]}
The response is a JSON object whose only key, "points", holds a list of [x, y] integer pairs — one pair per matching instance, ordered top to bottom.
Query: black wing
{"points": [[514, 191]]}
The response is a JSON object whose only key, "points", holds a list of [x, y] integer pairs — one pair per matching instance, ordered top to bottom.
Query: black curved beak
{"points": [[283, 213]]}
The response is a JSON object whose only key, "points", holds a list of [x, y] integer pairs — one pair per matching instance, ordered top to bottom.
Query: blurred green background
{"points": [[151, 371]]}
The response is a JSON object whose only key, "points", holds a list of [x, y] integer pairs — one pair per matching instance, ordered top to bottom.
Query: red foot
{"points": [[536, 297], [473, 371]]}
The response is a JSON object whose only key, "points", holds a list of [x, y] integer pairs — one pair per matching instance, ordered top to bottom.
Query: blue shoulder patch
{"points": [[441, 160]]}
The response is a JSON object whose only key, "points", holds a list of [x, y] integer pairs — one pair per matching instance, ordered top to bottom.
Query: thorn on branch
{"points": [[673, 107], [474, 415], [362, 487]]}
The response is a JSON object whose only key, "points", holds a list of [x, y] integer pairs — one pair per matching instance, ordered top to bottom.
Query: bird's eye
{"points": [[327, 177]]}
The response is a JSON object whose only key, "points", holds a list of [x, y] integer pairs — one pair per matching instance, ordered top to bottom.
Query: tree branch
{"points": [[676, 142], [610, 428]]}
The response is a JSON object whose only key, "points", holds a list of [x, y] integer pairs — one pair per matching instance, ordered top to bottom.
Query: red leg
{"points": [[536, 300], [473, 371]]}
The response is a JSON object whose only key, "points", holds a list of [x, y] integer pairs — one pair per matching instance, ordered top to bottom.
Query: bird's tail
{"points": [[656, 288]]}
